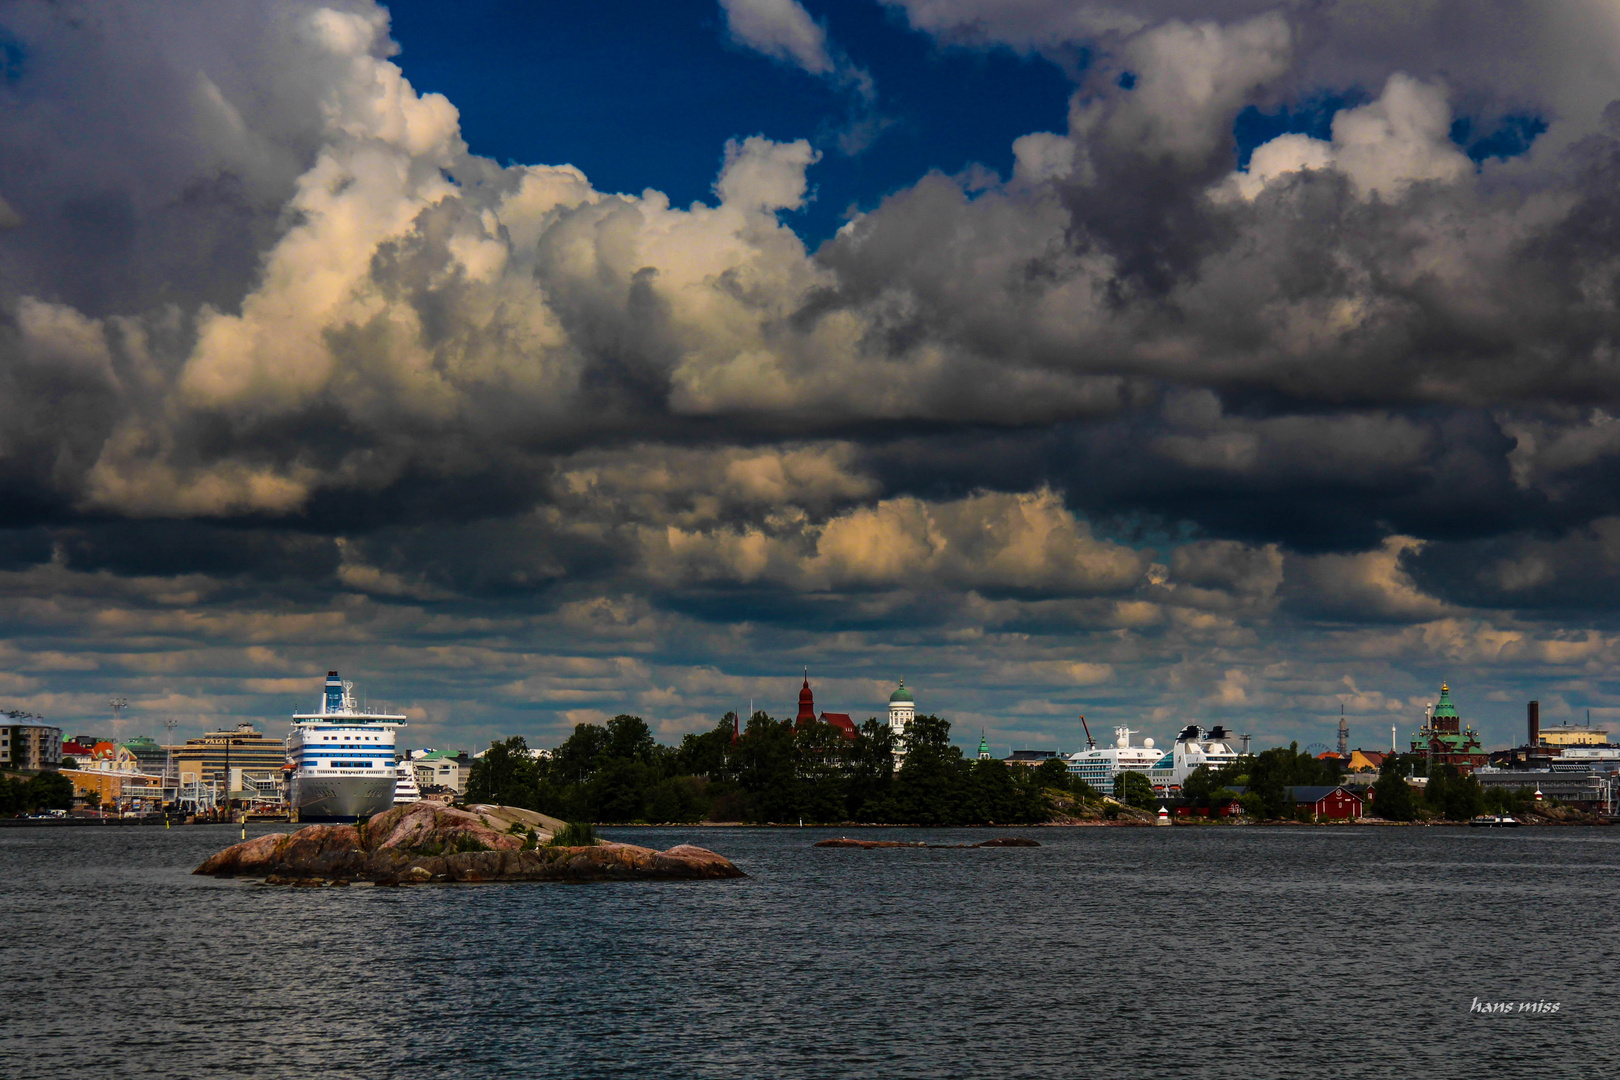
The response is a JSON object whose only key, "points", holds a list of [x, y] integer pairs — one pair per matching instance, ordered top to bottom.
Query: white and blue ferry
{"points": [[341, 758]]}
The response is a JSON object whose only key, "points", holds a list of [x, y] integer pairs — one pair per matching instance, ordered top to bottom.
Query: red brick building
{"points": [[807, 714]]}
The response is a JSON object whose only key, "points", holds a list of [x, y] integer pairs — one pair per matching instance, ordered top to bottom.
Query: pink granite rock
{"points": [[427, 842]]}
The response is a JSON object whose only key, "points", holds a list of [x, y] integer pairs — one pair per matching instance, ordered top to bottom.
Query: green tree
{"points": [[629, 739], [705, 753], [576, 759], [870, 765], [765, 766], [1273, 772], [1053, 773], [507, 775], [929, 785], [1198, 785], [1135, 789], [617, 790], [47, 791], [1392, 795], [1452, 795], [678, 798], [1502, 800]]}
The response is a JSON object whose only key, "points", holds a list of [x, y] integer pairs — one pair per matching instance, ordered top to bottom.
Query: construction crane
{"points": [[1091, 743]]}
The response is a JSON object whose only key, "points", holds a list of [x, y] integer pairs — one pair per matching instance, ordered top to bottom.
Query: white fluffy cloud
{"points": [[1400, 139]]}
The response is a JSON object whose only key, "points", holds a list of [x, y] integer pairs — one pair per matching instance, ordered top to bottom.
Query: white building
{"points": [[902, 710], [444, 768]]}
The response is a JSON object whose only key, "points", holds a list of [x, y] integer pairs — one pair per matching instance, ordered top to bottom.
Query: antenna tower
{"points": [[169, 724]]}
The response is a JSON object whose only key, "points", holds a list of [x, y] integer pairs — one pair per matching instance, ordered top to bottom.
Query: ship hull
{"points": [[341, 798]]}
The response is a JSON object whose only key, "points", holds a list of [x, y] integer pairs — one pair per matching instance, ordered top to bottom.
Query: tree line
{"points": [[775, 772], [27, 794], [1448, 794]]}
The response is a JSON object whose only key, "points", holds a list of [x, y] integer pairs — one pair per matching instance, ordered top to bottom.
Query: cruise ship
{"points": [[1193, 747], [341, 758], [1099, 765], [406, 789]]}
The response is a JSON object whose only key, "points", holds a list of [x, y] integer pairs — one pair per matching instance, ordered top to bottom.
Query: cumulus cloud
{"points": [[781, 29], [784, 30], [1401, 139]]}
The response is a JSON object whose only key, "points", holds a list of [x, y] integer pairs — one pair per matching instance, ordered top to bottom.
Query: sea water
{"points": [[1186, 952]]}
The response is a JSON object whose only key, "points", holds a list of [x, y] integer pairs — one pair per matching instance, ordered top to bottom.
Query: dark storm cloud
{"points": [[173, 548], [1576, 572]]}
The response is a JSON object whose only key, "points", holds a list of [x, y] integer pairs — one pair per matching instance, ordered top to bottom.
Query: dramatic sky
{"points": [[1232, 362]]}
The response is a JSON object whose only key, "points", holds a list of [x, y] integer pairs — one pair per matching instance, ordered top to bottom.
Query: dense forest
{"points": [[773, 773]]}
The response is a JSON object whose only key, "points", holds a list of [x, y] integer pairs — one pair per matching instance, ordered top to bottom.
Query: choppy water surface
{"points": [[1126, 952]]}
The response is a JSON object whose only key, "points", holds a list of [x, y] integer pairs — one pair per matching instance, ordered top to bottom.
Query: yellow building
{"points": [[1569, 735], [1364, 761], [108, 788]]}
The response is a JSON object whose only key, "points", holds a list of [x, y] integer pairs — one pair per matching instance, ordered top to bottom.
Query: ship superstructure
{"points": [[1193, 748], [341, 757], [1099, 765], [406, 789]]}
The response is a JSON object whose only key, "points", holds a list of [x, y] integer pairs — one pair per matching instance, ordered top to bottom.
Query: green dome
{"points": [[901, 694], [1445, 708]]}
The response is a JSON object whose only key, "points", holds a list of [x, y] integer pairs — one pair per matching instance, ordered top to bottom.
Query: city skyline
{"points": [[1230, 363]]}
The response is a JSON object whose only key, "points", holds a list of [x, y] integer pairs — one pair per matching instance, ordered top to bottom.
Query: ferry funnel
{"points": [[334, 693]]}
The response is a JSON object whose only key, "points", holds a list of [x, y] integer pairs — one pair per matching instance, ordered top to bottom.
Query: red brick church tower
{"points": [[807, 704]]}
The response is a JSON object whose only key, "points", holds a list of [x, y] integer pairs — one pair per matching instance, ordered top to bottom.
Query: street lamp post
{"points": [[227, 777]]}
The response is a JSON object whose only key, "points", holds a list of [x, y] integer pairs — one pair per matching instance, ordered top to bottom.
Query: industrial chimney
{"points": [[1534, 712]]}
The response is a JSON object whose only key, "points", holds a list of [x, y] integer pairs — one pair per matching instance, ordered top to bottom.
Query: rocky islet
{"points": [[427, 842]]}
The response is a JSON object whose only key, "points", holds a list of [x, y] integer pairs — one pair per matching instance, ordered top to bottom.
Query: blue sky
{"points": [[644, 94]]}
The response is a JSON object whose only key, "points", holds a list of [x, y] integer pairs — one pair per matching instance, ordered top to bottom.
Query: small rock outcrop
{"points": [[1000, 841], [429, 842]]}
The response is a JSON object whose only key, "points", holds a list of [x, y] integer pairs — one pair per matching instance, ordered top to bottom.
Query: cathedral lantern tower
{"points": [[901, 711]]}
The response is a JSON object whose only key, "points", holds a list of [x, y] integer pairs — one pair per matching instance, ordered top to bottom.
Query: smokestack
{"points": [[1534, 712]]}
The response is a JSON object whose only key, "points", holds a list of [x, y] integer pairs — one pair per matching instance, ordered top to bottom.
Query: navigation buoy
{"points": [[1164, 816]]}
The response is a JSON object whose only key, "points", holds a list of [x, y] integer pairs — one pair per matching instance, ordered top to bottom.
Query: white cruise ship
{"points": [[1192, 748], [341, 758], [1099, 765], [406, 789]]}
